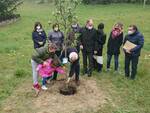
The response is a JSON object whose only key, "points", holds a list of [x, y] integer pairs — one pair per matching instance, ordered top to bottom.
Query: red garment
{"points": [[116, 32]]}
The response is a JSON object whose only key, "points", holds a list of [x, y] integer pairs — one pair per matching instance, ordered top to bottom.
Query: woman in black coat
{"points": [[38, 36], [101, 39], [114, 43]]}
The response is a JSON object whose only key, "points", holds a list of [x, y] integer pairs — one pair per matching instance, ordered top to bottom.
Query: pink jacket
{"points": [[47, 71]]}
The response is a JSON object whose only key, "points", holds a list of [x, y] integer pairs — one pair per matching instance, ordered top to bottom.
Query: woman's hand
{"points": [[41, 43], [128, 51]]}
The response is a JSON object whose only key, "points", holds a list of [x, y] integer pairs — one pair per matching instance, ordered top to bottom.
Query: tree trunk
{"points": [[144, 3]]}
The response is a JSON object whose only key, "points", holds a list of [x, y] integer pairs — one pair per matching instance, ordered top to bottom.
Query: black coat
{"points": [[39, 37], [88, 39], [101, 39], [114, 44], [74, 66]]}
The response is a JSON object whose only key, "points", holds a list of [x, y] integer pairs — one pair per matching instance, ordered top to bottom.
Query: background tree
{"points": [[44, 1], [96, 1], [114, 1], [144, 3], [8, 7], [64, 14]]}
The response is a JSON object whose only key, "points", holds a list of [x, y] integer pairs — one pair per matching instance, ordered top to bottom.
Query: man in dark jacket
{"points": [[101, 39], [87, 41], [72, 54], [132, 55], [39, 57]]}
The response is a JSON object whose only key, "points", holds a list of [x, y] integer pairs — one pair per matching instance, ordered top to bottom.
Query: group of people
{"points": [[52, 52], [48, 59]]}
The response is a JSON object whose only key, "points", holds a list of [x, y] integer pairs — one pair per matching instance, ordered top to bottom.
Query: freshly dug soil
{"points": [[68, 89], [89, 98]]}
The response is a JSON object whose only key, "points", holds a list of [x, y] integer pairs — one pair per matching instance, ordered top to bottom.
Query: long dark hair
{"points": [[36, 24], [54, 25], [101, 26]]}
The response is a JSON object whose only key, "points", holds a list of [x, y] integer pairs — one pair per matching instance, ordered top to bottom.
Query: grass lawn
{"points": [[16, 48]]}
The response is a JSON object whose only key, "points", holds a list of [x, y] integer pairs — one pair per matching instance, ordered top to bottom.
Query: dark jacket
{"points": [[37, 37], [56, 37], [87, 38], [101, 39], [138, 39], [114, 44], [42, 54], [75, 66]]}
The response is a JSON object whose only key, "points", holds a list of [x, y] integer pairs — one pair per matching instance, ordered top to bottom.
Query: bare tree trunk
{"points": [[144, 3]]}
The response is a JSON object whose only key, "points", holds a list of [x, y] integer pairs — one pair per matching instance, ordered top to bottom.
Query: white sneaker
{"points": [[44, 87]]}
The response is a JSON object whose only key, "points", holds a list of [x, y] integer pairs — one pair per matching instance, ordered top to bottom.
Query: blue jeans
{"points": [[116, 58], [44, 79]]}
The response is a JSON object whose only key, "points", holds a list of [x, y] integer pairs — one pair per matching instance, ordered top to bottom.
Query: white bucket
{"points": [[65, 60]]}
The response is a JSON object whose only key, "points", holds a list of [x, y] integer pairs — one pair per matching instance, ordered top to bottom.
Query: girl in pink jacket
{"points": [[47, 69]]}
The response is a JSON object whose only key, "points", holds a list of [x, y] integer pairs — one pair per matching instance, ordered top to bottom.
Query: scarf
{"points": [[116, 32]]}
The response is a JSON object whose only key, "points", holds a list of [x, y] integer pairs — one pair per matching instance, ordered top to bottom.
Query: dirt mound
{"points": [[87, 99]]}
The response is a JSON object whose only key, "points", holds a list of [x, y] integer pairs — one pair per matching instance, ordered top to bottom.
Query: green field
{"points": [[16, 48]]}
